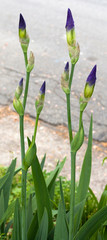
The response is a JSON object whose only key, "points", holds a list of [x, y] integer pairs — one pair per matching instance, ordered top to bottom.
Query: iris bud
{"points": [[22, 27], [70, 31], [23, 36], [73, 47], [30, 64], [65, 79], [90, 83], [89, 88], [19, 89], [39, 103]]}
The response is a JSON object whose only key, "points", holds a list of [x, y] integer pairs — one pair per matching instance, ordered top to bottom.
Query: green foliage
{"points": [[84, 178], [42, 196], [91, 204], [16, 233]]}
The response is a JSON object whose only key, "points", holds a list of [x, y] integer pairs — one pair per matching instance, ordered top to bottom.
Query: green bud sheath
{"points": [[24, 43], [74, 52], [30, 64], [65, 82], [18, 92], [39, 103], [83, 103], [18, 106], [78, 140], [30, 155]]}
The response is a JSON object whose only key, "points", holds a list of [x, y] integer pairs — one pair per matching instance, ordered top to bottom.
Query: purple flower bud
{"points": [[69, 22], [22, 23], [66, 69], [92, 77], [65, 79], [21, 83], [90, 83], [42, 89], [40, 98]]}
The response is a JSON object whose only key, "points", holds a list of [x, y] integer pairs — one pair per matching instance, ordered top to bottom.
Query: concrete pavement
{"points": [[46, 26], [52, 140]]}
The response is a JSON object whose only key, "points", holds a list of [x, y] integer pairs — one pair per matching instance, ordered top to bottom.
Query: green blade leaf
{"points": [[104, 160], [43, 161], [17, 170], [86, 170], [84, 177], [3, 180], [50, 181], [7, 186], [93, 195], [42, 196], [103, 200], [63, 203], [1, 204], [2, 211], [9, 211], [29, 211], [77, 211], [78, 214], [92, 225], [7, 227], [33, 228], [43, 228], [61, 231], [105, 233], [16, 234]]}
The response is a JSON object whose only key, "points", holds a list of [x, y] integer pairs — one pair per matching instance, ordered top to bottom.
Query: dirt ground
{"points": [[52, 140]]}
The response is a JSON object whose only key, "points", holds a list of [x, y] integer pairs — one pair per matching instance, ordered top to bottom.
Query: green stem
{"points": [[25, 58], [71, 76], [26, 89], [68, 106], [69, 117], [80, 119], [35, 129], [22, 138], [24, 174], [72, 200], [24, 215]]}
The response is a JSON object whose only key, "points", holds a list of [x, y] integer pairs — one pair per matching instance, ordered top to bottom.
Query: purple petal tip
{"points": [[70, 21], [22, 23], [67, 67], [92, 76], [21, 82], [43, 87]]}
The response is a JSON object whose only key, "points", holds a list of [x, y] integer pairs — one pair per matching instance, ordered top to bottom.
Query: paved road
{"points": [[46, 26]]}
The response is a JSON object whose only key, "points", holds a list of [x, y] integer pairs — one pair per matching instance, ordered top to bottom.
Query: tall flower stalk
{"points": [[24, 40], [74, 51], [66, 83]]}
